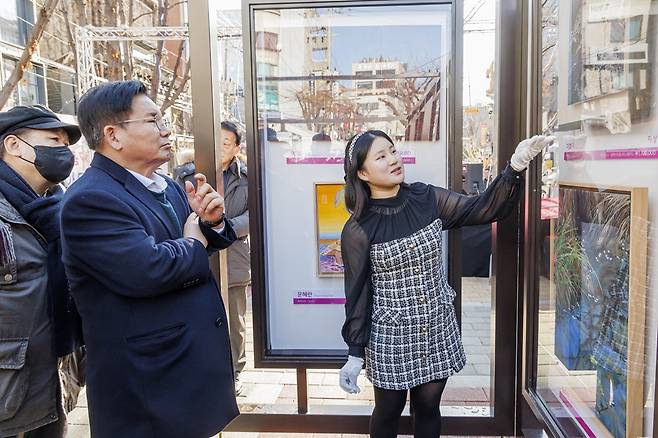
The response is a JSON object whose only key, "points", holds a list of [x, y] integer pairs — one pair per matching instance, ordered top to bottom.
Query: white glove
{"points": [[528, 149], [349, 373]]}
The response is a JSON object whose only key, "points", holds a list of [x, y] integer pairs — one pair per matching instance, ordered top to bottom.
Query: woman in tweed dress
{"points": [[400, 316]]}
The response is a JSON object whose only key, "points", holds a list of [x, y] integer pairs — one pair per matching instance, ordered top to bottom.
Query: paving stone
{"points": [[274, 390], [78, 416]]}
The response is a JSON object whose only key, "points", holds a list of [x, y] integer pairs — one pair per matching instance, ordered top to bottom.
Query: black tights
{"points": [[426, 416]]}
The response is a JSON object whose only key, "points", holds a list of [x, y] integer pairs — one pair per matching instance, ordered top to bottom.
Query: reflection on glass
{"points": [[610, 54], [339, 71], [323, 75], [597, 321], [472, 389]]}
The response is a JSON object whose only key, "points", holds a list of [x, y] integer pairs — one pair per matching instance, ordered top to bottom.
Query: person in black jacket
{"points": [[399, 313], [38, 318]]}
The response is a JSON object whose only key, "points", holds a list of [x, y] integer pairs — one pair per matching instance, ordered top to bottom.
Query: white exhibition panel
{"points": [[288, 189], [291, 244]]}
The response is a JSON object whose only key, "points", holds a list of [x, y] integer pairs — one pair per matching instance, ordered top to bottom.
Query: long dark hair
{"points": [[357, 191]]}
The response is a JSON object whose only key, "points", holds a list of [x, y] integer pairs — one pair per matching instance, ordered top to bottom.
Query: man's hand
{"points": [[204, 200], [191, 229]]}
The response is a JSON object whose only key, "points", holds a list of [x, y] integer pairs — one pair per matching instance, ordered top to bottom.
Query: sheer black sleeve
{"points": [[495, 203], [355, 248]]}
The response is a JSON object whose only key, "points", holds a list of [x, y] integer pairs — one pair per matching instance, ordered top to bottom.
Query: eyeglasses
{"points": [[162, 123]]}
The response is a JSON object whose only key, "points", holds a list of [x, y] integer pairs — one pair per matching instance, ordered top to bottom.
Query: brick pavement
{"points": [[274, 390]]}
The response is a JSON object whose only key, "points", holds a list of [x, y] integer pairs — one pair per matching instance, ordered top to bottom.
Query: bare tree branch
{"points": [[177, 3], [44, 16], [140, 16], [69, 31], [174, 75], [179, 88], [403, 98]]}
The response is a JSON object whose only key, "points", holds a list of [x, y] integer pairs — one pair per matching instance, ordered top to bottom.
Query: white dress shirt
{"points": [[157, 184]]}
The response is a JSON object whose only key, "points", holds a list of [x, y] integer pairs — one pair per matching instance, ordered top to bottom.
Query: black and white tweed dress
{"points": [[399, 311], [414, 337]]}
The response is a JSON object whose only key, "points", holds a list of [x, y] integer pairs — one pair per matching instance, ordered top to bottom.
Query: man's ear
{"points": [[112, 136], [12, 145], [363, 175]]}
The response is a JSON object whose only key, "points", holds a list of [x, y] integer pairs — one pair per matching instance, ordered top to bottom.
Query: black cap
{"points": [[35, 117]]}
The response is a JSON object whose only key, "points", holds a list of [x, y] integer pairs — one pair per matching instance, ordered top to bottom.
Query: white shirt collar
{"points": [[155, 184]]}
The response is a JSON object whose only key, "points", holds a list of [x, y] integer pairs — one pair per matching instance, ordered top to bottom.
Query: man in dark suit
{"points": [[136, 247]]}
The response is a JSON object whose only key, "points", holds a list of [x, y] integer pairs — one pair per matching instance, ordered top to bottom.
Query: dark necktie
{"points": [[169, 210]]}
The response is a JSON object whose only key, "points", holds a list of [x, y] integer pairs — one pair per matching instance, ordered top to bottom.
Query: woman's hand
{"points": [[528, 149], [350, 373]]}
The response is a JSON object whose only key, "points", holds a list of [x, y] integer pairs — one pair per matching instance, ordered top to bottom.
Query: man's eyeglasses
{"points": [[162, 123]]}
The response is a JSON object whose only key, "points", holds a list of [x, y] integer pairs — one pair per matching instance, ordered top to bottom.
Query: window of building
{"points": [[16, 21], [635, 28], [618, 31], [319, 32], [267, 40], [319, 55], [264, 69], [386, 84], [31, 88], [61, 90], [268, 97], [368, 107]]}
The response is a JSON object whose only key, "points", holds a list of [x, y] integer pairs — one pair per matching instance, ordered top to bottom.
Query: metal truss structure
{"points": [[87, 35]]}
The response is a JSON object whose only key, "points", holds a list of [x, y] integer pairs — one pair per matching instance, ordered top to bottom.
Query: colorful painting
{"points": [[330, 217], [601, 295]]}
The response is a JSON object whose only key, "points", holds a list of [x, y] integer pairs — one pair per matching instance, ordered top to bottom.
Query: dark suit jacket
{"points": [[159, 357]]}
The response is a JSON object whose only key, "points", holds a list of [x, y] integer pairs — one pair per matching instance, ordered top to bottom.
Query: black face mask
{"points": [[54, 163]]}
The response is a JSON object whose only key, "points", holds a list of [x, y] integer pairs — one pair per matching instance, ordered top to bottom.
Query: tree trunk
{"points": [[66, 13], [44, 16], [160, 20], [127, 46], [112, 50]]}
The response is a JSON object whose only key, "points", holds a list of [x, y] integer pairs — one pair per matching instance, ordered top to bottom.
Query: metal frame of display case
{"points": [[510, 111], [530, 309], [264, 356], [539, 415]]}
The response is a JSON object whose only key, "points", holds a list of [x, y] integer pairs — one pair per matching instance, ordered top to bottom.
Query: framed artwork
{"points": [[609, 53], [330, 217], [600, 255]]}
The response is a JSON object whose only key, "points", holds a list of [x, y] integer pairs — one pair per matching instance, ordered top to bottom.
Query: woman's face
{"points": [[383, 166]]}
